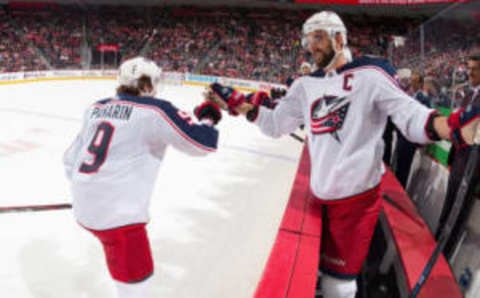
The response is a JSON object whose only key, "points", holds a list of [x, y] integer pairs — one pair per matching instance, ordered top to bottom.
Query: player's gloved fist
{"points": [[276, 93], [230, 96], [259, 98], [208, 110], [462, 119]]}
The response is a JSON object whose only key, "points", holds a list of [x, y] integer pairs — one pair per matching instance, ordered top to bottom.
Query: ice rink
{"points": [[213, 219]]}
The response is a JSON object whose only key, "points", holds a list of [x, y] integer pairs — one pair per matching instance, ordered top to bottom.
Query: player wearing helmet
{"points": [[325, 36], [306, 69], [344, 106], [113, 165]]}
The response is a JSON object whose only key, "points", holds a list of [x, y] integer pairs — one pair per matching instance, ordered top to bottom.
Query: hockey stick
{"points": [[145, 47], [297, 137], [16, 209], [403, 210], [452, 217]]}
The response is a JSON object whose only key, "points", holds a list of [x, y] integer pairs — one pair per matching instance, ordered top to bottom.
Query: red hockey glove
{"points": [[277, 93], [230, 96], [260, 98], [208, 110], [459, 120]]}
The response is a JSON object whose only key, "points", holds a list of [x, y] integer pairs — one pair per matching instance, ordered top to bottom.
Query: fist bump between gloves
{"points": [[459, 122]]}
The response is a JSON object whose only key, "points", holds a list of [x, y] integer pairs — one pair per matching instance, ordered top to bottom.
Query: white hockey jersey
{"points": [[345, 113], [113, 163]]}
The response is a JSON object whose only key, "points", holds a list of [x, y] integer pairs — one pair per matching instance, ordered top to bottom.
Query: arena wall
{"points": [[175, 78]]}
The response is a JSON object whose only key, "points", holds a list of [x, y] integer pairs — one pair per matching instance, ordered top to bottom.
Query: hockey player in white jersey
{"points": [[344, 106], [113, 165]]}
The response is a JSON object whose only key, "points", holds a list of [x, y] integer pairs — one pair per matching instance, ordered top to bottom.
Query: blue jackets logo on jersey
{"points": [[328, 115]]}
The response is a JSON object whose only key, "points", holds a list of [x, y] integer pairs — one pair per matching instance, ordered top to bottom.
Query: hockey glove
{"points": [[276, 93], [230, 96], [260, 98], [208, 110], [459, 122]]}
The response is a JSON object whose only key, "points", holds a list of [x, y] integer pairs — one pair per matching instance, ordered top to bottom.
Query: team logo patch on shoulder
{"points": [[328, 115]]}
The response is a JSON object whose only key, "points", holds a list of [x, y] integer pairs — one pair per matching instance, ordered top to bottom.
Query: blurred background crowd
{"points": [[259, 44]]}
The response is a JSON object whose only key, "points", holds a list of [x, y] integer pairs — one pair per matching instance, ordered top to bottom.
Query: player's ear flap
{"points": [[338, 41]]}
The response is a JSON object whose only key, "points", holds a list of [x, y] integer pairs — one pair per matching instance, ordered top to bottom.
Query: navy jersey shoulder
{"points": [[363, 61], [319, 73], [103, 101], [164, 105], [203, 134]]}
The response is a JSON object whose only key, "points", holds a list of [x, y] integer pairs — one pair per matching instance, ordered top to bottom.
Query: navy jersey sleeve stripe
{"points": [[103, 101], [203, 136]]}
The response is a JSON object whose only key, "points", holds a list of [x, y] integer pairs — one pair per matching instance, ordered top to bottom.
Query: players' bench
{"points": [[410, 244], [291, 270]]}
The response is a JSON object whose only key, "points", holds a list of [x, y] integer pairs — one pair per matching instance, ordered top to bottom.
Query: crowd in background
{"points": [[244, 43], [259, 44], [446, 44], [16, 54]]}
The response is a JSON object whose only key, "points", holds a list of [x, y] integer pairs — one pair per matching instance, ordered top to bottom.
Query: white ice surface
{"points": [[213, 220]]}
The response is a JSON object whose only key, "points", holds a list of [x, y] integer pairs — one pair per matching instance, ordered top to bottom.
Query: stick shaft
{"points": [[32, 208]]}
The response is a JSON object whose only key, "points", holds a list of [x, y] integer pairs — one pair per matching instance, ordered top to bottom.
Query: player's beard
{"points": [[325, 59]]}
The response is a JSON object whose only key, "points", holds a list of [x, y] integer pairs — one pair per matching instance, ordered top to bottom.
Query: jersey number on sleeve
{"points": [[185, 116], [98, 148]]}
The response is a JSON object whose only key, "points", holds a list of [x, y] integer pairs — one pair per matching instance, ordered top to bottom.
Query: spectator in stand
{"points": [[304, 70], [404, 79], [417, 87], [471, 91], [432, 92], [405, 150], [458, 159]]}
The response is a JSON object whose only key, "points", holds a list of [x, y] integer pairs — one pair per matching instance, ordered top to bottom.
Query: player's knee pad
{"points": [[127, 251], [338, 288]]}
